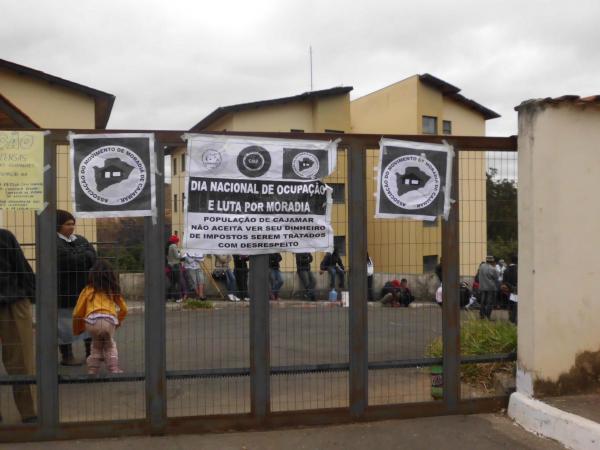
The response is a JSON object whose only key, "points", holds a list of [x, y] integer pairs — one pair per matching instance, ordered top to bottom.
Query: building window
{"points": [[429, 125], [447, 127], [296, 130], [334, 131], [182, 163], [174, 165], [339, 192], [182, 202], [175, 203], [430, 223], [339, 242], [429, 263]]}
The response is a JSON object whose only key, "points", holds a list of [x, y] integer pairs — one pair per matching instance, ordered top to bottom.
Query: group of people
{"points": [[186, 273], [498, 280], [90, 307]]}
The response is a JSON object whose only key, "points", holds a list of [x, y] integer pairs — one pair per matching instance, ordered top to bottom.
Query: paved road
{"points": [[301, 333], [481, 432]]}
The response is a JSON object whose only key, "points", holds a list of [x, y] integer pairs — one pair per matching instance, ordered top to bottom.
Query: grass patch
{"points": [[198, 304], [482, 337]]}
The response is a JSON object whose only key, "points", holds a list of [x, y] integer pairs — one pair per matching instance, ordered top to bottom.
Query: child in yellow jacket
{"points": [[96, 313]]}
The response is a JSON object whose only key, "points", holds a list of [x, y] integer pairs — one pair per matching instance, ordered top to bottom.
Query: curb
{"points": [[138, 306], [540, 418]]}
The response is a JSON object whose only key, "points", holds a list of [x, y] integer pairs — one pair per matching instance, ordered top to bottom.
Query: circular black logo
{"points": [[254, 161]]}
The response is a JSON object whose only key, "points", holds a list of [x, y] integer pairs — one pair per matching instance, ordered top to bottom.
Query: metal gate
{"points": [[266, 364]]}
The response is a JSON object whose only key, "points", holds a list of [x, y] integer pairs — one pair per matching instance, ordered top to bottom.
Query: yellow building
{"points": [[33, 99], [419, 104], [424, 104], [311, 112]]}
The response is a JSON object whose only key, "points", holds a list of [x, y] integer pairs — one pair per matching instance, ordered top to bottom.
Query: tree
{"points": [[502, 225]]}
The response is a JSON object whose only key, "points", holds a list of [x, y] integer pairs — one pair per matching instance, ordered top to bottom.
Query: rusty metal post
{"points": [[451, 304], [46, 306], [155, 311], [358, 318], [260, 389]]}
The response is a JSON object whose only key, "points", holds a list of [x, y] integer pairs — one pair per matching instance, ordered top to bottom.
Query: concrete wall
{"points": [[559, 238]]}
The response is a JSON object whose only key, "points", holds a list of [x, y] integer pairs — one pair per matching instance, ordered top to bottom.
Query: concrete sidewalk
{"points": [[481, 432]]}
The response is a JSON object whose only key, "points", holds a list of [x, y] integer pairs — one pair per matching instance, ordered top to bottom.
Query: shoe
{"points": [[232, 298], [236, 299], [246, 299], [179, 300]]}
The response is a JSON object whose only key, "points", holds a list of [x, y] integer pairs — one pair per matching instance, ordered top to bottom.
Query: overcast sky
{"points": [[171, 63]]}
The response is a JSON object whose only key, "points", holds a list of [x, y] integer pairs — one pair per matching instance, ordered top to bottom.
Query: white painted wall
{"points": [[559, 237]]}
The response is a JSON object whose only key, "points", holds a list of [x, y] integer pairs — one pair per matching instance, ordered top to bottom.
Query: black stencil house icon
{"points": [[305, 163], [113, 172], [412, 179]]}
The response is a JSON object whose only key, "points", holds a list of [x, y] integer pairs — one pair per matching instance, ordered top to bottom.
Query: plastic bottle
{"points": [[333, 295]]}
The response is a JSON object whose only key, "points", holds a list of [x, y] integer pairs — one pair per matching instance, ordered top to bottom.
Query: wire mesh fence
{"points": [[206, 307]]}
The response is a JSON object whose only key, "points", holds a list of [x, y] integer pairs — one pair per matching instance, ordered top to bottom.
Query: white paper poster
{"points": [[113, 175], [414, 180], [252, 196]]}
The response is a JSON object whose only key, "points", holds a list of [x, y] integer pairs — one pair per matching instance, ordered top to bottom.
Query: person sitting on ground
{"points": [[303, 261], [222, 272], [275, 275], [390, 293], [396, 293], [406, 297]]}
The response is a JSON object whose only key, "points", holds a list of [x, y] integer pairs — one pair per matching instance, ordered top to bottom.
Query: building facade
{"points": [[31, 99], [419, 104]]}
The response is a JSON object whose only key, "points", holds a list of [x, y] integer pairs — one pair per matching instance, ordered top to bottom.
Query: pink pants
{"points": [[103, 346]]}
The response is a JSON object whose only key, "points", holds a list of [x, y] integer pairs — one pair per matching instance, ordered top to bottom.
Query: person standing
{"points": [[75, 257], [303, 261], [332, 263], [192, 265], [240, 270], [222, 271], [370, 272], [275, 275], [511, 281], [488, 286], [177, 289], [17, 290], [95, 312]]}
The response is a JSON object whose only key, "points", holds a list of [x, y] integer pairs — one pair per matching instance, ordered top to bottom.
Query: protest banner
{"points": [[253, 196]]}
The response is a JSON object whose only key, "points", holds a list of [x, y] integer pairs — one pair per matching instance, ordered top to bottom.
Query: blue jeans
{"points": [[332, 272], [230, 281], [276, 281]]}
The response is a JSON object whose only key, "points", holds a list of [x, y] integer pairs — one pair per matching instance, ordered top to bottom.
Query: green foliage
{"points": [[502, 225], [124, 258], [198, 304], [481, 337]]}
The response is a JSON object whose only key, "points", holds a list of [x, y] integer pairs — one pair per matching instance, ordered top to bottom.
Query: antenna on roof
{"points": [[311, 66]]}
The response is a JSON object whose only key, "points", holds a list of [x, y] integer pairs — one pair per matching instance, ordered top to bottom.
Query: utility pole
{"points": [[311, 66]]}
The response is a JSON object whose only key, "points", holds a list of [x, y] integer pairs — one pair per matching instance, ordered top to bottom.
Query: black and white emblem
{"points": [[254, 161], [112, 175]]}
